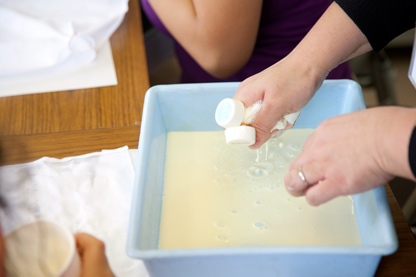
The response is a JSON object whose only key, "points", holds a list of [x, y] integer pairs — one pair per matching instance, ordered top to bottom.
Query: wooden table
{"points": [[74, 122], [68, 123]]}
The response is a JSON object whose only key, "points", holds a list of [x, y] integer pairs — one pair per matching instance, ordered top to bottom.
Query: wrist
{"points": [[333, 33], [307, 69], [396, 137]]}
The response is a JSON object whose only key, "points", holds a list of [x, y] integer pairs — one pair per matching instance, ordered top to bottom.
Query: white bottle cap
{"points": [[229, 113], [240, 135]]}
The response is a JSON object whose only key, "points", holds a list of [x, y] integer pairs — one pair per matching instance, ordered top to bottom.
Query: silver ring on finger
{"points": [[302, 176]]}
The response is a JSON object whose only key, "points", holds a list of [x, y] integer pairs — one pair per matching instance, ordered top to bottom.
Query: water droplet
{"points": [[273, 141], [294, 147], [267, 150], [291, 154], [258, 155], [273, 155], [281, 162], [260, 170], [271, 187], [220, 224], [261, 225], [223, 238]]}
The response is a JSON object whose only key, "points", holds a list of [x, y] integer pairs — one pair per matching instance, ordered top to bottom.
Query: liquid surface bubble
{"points": [[294, 147], [260, 169], [220, 224], [261, 225], [223, 238]]}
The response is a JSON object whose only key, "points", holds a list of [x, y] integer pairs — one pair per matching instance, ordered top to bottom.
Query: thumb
{"points": [[92, 254]]}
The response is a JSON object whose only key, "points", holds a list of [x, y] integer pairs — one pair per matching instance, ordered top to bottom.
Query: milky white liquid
{"points": [[218, 195]]}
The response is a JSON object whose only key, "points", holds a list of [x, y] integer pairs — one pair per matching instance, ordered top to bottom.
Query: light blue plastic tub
{"points": [[191, 108]]}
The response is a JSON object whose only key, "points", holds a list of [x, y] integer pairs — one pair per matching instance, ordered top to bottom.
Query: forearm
{"points": [[220, 35], [334, 39]]}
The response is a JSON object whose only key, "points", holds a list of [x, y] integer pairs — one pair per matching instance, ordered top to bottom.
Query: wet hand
{"points": [[283, 88], [345, 155]]}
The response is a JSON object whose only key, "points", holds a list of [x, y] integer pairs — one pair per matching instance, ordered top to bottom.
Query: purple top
{"points": [[283, 24]]}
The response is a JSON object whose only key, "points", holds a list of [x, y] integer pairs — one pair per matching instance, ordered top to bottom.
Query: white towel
{"points": [[89, 193]]}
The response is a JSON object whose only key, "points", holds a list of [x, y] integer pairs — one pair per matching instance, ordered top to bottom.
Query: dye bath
{"points": [[219, 195]]}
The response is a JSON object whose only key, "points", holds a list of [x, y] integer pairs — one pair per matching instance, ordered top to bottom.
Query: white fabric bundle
{"points": [[39, 34], [251, 112], [89, 193]]}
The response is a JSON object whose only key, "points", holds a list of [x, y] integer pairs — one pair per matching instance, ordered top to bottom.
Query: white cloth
{"points": [[39, 34], [251, 112], [90, 193]]}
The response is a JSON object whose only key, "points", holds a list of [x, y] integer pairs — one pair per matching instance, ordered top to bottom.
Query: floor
{"points": [[393, 72]]}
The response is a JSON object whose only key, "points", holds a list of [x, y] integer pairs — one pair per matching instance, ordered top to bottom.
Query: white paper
{"points": [[99, 73], [90, 193]]}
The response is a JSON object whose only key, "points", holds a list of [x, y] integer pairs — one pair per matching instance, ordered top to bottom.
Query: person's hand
{"points": [[288, 85], [284, 88], [353, 153], [92, 255]]}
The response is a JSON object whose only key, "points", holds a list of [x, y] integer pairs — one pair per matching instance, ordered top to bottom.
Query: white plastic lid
{"points": [[229, 113], [240, 135]]}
